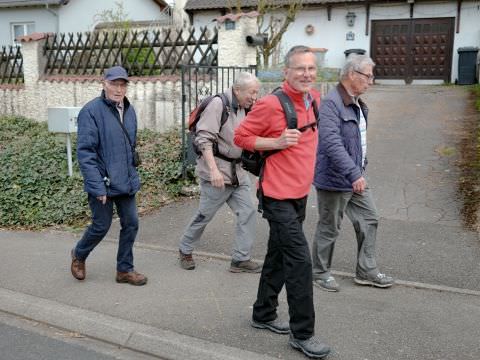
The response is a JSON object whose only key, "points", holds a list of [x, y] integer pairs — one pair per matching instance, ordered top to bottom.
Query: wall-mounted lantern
{"points": [[350, 18]]}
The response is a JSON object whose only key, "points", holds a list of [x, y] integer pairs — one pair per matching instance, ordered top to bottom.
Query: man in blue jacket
{"points": [[107, 129], [340, 177]]}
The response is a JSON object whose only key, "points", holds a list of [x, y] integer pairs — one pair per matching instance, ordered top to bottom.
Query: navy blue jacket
{"points": [[103, 150], [339, 151]]}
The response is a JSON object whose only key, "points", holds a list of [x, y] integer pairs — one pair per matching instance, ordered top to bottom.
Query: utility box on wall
{"points": [[63, 119]]}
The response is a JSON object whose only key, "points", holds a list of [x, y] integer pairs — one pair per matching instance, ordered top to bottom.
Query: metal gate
{"points": [[413, 48], [199, 82]]}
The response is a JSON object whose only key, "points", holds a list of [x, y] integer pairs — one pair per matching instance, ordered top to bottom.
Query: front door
{"points": [[412, 49]]}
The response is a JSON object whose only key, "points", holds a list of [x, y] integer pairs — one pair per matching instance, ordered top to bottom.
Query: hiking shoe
{"points": [[186, 261], [247, 266], [78, 267], [131, 277], [379, 280], [328, 284], [277, 326], [311, 347]]}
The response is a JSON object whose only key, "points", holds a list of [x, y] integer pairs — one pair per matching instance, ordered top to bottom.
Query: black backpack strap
{"points": [[288, 108], [226, 109], [315, 109]]}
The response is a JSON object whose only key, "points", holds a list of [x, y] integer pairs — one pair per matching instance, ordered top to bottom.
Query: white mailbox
{"points": [[63, 119]]}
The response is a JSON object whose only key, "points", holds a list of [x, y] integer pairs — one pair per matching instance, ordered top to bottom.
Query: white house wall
{"points": [[79, 16], [44, 21], [332, 34]]}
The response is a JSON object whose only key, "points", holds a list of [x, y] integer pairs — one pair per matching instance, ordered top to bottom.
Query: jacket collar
{"points": [[294, 94], [347, 99]]}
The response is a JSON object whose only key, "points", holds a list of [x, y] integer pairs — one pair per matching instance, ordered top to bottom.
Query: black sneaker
{"points": [[186, 261], [247, 266], [277, 326], [311, 347]]}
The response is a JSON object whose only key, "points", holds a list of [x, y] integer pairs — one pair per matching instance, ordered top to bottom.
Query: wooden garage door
{"points": [[413, 48]]}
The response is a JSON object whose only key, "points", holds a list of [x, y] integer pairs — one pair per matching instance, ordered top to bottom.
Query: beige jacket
{"points": [[208, 132]]}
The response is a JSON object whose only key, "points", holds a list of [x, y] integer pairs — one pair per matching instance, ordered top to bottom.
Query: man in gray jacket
{"points": [[340, 177], [222, 179]]}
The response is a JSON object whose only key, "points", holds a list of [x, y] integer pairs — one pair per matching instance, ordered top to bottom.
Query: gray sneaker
{"points": [[186, 261], [247, 266], [379, 280], [328, 284], [277, 326], [312, 347]]}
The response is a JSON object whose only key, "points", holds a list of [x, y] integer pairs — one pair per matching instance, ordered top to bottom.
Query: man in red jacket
{"points": [[287, 177]]}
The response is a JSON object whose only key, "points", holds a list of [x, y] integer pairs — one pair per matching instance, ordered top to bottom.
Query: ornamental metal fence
{"points": [[142, 53], [11, 65]]}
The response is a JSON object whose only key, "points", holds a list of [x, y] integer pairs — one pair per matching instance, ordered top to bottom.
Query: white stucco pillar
{"points": [[233, 49], [33, 60]]}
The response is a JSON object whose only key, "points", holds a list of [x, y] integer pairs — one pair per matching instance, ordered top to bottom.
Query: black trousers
{"points": [[287, 262]]}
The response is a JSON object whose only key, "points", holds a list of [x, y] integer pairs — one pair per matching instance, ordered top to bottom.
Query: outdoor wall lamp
{"points": [[350, 18]]}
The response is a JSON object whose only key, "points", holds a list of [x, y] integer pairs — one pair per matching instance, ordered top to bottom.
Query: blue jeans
{"points": [[101, 221]]}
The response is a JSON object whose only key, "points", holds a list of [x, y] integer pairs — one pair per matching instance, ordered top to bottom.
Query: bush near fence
{"points": [[36, 192]]}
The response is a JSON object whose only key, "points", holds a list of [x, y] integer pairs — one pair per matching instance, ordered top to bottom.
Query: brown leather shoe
{"points": [[78, 267], [132, 278]]}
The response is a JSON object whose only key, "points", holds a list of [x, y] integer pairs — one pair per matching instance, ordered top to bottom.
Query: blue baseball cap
{"points": [[116, 72]]}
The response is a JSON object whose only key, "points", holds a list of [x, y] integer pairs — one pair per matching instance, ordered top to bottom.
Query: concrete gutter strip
{"points": [[164, 344]]}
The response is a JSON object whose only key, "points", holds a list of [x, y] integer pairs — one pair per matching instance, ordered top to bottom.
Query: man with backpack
{"points": [[287, 176], [222, 179]]}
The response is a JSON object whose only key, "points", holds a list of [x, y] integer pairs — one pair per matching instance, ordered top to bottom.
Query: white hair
{"points": [[355, 62], [244, 79]]}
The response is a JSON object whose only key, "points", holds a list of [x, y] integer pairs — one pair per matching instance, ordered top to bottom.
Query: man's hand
{"points": [[288, 138], [216, 178], [359, 185], [102, 199]]}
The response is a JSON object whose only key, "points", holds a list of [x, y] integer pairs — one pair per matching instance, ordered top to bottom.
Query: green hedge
{"points": [[36, 192]]}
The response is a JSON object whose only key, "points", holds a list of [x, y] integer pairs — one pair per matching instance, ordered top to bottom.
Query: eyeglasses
{"points": [[302, 70], [368, 76]]}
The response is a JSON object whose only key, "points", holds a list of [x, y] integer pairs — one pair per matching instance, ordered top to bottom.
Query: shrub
{"points": [[36, 191]]}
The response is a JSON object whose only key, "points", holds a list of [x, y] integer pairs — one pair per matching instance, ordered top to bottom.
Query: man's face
{"points": [[302, 71], [361, 80], [115, 90], [247, 95]]}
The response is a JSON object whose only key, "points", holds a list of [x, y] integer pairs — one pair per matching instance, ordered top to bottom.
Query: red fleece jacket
{"points": [[288, 173]]}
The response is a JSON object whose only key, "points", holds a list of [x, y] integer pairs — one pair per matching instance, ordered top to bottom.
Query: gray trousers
{"points": [[239, 199], [361, 210]]}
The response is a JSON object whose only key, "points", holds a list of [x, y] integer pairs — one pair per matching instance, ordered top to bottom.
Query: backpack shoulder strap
{"points": [[288, 108], [226, 109], [315, 109]]}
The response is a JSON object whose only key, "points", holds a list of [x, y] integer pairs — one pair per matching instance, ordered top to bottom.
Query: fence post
{"points": [[232, 45], [33, 59]]}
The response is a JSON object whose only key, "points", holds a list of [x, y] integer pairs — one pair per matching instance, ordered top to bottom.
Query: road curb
{"points": [[406, 283], [164, 344]]}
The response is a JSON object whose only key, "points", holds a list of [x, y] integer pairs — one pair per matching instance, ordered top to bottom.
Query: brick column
{"points": [[232, 45], [33, 60]]}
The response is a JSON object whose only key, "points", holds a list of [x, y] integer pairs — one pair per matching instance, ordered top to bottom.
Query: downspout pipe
{"points": [[54, 13]]}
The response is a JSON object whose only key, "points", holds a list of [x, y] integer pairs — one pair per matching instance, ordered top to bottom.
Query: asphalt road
{"points": [[22, 339]]}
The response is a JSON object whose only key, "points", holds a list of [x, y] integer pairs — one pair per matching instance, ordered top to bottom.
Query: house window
{"points": [[21, 30]]}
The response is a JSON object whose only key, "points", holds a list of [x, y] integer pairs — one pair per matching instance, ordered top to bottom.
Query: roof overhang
{"points": [[31, 3]]}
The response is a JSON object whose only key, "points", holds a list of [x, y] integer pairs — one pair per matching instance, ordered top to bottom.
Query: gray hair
{"points": [[299, 49], [355, 62], [244, 79]]}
